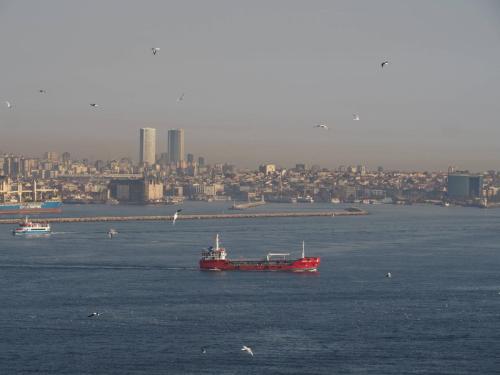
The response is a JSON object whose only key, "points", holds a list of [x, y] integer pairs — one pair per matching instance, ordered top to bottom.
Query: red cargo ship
{"points": [[215, 259]]}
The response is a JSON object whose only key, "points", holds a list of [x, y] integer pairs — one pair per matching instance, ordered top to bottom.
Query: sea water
{"points": [[438, 313]]}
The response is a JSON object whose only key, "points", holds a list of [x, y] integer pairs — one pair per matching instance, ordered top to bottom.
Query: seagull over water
{"points": [[155, 50], [384, 63], [42, 91], [180, 98], [8, 104], [94, 105], [355, 117], [321, 126], [176, 215], [388, 275], [94, 315], [247, 349], [203, 350]]}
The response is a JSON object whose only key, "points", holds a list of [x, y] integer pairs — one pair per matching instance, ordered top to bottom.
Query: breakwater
{"points": [[190, 217]]}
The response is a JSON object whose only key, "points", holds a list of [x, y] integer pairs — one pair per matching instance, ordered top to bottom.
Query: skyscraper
{"points": [[147, 145], [175, 145], [464, 186]]}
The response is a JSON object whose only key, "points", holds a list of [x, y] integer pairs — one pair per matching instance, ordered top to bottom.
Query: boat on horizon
{"points": [[215, 259]]}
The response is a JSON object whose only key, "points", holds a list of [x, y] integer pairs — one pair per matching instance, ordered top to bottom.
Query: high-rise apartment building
{"points": [[175, 144], [147, 147], [51, 156], [66, 157]]}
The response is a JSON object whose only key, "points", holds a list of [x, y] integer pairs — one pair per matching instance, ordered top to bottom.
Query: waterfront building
{"points": [[175, 144], [147, 145], [190, 158], [201, 161], [464, 186], [141, 190]]}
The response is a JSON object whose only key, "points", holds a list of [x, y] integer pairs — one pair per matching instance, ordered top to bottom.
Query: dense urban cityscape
{"points": [[172, 176], [250, 187]]}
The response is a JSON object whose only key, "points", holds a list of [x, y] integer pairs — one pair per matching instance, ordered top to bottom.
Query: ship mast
{"points": [[217, 241], [303, 249]]}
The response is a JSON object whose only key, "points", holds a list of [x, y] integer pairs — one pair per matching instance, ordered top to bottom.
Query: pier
{"points": [[190, 217]]}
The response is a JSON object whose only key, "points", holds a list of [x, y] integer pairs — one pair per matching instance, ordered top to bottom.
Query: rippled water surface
{"points": [[439, 313]]}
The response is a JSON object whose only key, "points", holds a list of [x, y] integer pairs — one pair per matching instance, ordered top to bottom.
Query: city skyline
{"points": [[253, 95]]}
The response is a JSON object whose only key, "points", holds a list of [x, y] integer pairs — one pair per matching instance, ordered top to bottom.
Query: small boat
{"points": [[28, 227], [112, 232]]}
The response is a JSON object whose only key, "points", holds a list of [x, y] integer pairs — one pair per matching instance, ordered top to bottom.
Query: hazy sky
{"points": [[257, 76]]}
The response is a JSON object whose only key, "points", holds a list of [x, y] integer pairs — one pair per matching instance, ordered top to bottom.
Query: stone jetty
{"points": [[190, 217]]}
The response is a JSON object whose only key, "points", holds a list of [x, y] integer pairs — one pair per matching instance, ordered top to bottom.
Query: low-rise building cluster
{"points": [[82, 181]]}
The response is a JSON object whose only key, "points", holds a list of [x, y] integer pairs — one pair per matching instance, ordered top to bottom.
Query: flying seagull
{"points": [[155, 50], [384, 63], [42, 91], [180, 98], [8, 104], [94, 105], [355, 117], [321, 126], [175, 216], [388, 275], [94, 315], [247, 349], [203, 350]]}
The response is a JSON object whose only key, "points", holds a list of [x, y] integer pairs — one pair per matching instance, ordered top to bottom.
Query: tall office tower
{"points": [[175, 145], [147, 147], [190, 158], [201, 161], [464, 186]]}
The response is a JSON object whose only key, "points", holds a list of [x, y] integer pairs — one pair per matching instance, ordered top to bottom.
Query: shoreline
{"points": [[92, 219]]}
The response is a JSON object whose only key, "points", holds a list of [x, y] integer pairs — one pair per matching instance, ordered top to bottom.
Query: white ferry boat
{"points": [[28, 227]]}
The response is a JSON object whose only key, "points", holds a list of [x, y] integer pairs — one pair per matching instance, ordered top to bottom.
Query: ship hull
{"points": [[30, 208], [31, 232], [299, 265]]}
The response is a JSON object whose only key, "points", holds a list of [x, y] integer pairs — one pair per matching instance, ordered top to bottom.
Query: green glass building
{"points": [[464, 186]]}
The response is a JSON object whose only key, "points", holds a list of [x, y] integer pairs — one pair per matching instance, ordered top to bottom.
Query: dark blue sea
{"points": [[438, 314]]}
